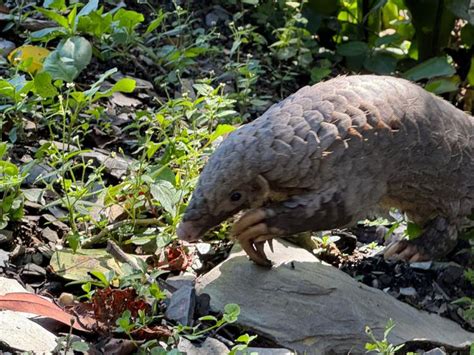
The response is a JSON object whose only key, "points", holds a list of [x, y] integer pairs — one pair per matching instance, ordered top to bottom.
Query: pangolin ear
{"points": [[261, 191]]}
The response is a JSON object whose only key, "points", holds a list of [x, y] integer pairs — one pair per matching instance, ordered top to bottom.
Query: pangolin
{"points": [[332, 153]]}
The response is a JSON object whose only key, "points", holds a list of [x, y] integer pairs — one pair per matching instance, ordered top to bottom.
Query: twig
{"points": [[102, 236], [119, 255]]}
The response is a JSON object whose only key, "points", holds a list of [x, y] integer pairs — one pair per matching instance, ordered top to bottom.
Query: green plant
{"points": [[11, 205], [467, 302], [231, 314], [243, 342], [382, 346]]}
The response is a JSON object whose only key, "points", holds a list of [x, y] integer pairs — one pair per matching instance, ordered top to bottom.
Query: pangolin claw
{"points": [[252, 232], [403, 250]]}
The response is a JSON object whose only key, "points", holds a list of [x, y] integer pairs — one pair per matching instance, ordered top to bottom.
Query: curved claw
{"points": [[252, 232], [404, 250]]}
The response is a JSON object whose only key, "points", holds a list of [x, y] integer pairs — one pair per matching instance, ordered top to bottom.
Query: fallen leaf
{"points": [[35, 53], [31, 303]]}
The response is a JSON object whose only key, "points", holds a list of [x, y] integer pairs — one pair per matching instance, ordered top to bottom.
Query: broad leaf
{"points": [[69, 59], [431, 68]]}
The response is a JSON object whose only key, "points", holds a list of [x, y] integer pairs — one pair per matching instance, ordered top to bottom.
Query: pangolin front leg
{"points": [[313, 211], [251, 230]]}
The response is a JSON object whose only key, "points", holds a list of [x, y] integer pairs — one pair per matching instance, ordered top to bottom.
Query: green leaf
{"points": [[250, 2], [55, 4], [92, 5], [53, 15], [72, 19], [128, 19], [156, 22], [47, 34], [467, 35], [387, 39], [352, 49], [69, 59], [381, 63], [431, 68], [318, 74], [470, 74], [43, 85], [124, 85], [443, 85], [6, 89], [220, 131], [3, 149], [8, 169], [165, 193], [413, 230], [101, 276], [231, 312], [208, 318]]}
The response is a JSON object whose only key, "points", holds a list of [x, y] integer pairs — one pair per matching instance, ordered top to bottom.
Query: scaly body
{"points": [[330, 154]]}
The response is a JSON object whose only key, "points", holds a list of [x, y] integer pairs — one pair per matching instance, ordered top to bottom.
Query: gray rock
{"points": [[6, 47], [116, 166], [50, 235], [5, 236], [4, 257], [423, 265], [33, 270], [179, 281], [10, 285], [407, 291], [182, 305], [309, 306], [20, 333], [210, 346], [265, 351], [435, 351]]}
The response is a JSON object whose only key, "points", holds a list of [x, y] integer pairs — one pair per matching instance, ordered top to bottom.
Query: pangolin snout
{"points": [[188, 231]]}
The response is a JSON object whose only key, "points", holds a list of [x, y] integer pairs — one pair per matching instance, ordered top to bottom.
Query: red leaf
{"points": [[31, 303]]}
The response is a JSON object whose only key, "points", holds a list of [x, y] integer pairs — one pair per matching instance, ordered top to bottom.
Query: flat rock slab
{"points": [[309, 306], [17, 331]]}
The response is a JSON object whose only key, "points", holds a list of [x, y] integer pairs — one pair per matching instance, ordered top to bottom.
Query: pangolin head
{"points": [[229, 183]]}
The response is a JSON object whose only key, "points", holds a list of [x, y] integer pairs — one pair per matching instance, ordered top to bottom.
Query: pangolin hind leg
{"points": [[436, 240]]}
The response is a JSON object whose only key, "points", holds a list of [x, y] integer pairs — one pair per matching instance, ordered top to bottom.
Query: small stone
{"points": [[217, 15], [6, 47], [122, 100], [55, 222], [50, 235], [6, 236], [203, 248], [4, 257], [37, 258], [423, 265], [33, 270], [10, 285], [407, 291], [66, 299], [203, 304], [181, 306], [210, 346], [266, 351], [435, 351]]}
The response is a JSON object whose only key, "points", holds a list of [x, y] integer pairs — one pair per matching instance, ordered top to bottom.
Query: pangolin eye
{"points": [[235, 196]]}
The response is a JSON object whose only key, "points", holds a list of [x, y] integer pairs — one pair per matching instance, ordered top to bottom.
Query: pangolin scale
{"points": [[330, 154]]}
